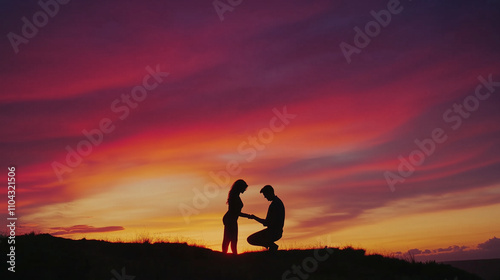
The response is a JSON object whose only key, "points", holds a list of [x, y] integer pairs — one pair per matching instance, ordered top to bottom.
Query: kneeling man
{"points": [[274, 221]]}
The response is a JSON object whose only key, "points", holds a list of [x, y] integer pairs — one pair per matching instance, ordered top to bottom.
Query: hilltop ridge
{"points": [[46, 257]]}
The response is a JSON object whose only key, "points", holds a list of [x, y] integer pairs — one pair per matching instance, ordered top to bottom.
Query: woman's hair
{"points": [[236, 188]]}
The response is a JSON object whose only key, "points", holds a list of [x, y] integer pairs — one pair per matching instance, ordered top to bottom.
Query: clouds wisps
{"points": [[354, 121], [68, 231]]}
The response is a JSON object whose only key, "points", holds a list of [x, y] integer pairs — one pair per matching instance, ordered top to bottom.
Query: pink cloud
{"points": [[61, 231]]}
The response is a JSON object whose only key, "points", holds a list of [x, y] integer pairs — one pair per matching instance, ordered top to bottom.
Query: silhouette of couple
{"points": [[274, 220]]}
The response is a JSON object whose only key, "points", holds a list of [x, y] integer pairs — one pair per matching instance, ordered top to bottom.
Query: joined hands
{"points": [[248, 216]]}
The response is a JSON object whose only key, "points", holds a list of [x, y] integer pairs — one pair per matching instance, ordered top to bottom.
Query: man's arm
{"points": [[260, 220]]}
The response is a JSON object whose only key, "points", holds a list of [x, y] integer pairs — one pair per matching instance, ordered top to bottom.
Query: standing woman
{"points": [[230, 219]]}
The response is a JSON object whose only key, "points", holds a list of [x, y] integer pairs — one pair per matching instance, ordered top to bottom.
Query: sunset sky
{"points": [[128, 119]]}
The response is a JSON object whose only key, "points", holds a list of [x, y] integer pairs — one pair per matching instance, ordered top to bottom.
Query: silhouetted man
{"points": [[274, 221]]}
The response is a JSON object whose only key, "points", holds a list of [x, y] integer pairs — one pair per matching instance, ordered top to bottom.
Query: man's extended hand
{"points": [[249, 216]]}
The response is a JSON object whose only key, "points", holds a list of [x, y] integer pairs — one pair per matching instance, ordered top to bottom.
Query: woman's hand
{"points": [[246, 215]]}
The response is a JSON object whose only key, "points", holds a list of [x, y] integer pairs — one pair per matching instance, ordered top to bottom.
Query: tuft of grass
{"points": [[144, 238], [409, 257]]}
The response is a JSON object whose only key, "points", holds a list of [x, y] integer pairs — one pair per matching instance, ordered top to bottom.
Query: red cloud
{"points": [[83, 229]]}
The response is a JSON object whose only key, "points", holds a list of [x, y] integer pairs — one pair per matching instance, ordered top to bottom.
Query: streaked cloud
{"points": [[353, 121], [62, 231]]}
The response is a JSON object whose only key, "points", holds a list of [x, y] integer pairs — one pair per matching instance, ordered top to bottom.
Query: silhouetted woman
{"points": [[230, 219]]}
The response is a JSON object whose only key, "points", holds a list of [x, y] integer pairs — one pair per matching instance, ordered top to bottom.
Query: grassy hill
{"points": [[46, 257], [488, 269]]}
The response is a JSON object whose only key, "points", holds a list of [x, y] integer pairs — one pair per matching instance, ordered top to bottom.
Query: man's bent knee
{"points": [[251, 239], [254, 239]]}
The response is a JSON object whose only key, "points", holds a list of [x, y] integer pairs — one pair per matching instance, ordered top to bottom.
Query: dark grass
{"points": [[46, 257]]}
